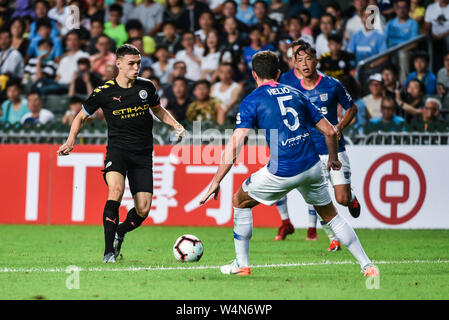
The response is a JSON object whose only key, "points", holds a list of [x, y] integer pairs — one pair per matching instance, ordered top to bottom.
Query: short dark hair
{"points": [[44, 2], [262, 2], [116, 7], [334, 21], [44, 22], [133, 24], [335, 37], [45, 41], [307, 48], [125, 49], [421, 55], [83, 61], [266, 64], [392, 68], [183, 79], [202, 81], [14, 83], [34, 91], [388, 98], [76, 99]]}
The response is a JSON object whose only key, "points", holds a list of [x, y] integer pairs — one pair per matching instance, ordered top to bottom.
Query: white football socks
{"points": [[281, 205], [312, 217], [243, 230], [330, 234], [347, 236]]}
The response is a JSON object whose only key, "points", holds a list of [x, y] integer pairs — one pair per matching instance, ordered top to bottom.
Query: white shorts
{"points": [[337, 177], [267, 188]]}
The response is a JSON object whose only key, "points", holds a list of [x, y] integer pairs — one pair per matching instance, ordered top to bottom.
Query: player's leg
{"points": [[341, 181], [116, 187], [315, 191], [286, 227], [311, 229], [334, 243]]}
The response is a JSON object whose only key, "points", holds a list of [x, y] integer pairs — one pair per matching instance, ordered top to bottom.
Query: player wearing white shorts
{"points": [[326, 93], [286, 115]]}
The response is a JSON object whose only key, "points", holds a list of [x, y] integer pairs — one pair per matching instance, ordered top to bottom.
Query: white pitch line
{"points": [[282, 265]]}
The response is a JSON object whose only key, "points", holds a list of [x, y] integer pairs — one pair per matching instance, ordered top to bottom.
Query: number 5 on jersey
{"points": [[285, 110]]}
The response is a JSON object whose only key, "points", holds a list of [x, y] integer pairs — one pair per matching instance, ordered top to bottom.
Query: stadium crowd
{"points": [[198, 54]]}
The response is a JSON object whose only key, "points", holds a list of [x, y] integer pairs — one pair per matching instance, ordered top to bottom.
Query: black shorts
{"points": [[138, 167]]}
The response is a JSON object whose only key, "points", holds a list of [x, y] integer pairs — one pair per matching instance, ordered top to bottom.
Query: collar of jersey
{"points": [[270, 83], [316, 84]]}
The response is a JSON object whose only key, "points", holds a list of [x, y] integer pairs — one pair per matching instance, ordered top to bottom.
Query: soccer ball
{"points": [[188, 248]]}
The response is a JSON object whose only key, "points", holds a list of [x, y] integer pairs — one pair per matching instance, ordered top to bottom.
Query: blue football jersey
{"points": [[290, 78], [326, 95], [285, 115]]}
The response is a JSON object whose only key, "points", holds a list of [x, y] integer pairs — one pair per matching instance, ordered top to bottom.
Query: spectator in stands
{"points": [[313, 7], [41, 8], [260, 8], [387, 8], [334, 9], [94, 10], [230, 11], [279, 11], [417, 12], [61, 13], [172, 13], [245, 13], [150, 14], [306, 19], [188, 21], [206, 23], [357, 23], [436, 23], [327, 25], [43, 27], [294, 27], [113, 28], [97, 29], [135, 30], [399, 30], [269, 35], [169, 38], [232, 39], [19, 42], [367, 42], [255, 45], [191, 55], [211, 56], [104, 57], [11, 61], [285, 61], [146, 62], [337, 62], [69, 63], [163, 67], [179, 70], [40, 71], [147, 72], [422, 72], [111, 73], [443, 78], [390, 79], [84, 81], [226, 90], [412, 100], [76, 104], [178, 104], [369, 106], [14, 108], [205, 108], [37, 114], [431, 120], [388, 121]]}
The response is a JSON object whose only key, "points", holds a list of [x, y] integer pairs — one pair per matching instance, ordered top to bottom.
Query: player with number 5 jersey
{"points": [[286, 116]]}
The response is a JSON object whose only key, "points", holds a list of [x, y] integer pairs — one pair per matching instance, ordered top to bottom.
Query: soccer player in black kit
{"points": [[126, 102]]}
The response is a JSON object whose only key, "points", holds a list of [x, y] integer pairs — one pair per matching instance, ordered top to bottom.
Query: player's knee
{"points": [[116, 192], [236, 203], [143, 208]]}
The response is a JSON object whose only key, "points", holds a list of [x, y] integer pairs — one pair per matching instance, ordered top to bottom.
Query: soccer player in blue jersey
{"points": [[286, 115]]}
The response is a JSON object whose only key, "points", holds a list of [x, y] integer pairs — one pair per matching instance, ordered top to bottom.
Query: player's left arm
{"points": [[346, 101], [166, 117], [230, 154]]}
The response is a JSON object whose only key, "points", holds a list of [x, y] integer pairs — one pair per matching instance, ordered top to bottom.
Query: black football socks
{"points": [[133, 220], [110, 222]]}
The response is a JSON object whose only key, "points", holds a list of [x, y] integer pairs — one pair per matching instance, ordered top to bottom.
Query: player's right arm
{"points": [[75, 129]]}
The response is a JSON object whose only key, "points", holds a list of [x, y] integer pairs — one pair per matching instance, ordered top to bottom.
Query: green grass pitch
{"points": [[414, 264]]}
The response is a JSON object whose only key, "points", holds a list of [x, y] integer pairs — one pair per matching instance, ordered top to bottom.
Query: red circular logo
{"points": [[395, 176]]}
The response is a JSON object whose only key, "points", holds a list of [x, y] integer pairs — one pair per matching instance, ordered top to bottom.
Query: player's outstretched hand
{"points": [[180, 132], [64, 150], [334, 165], [214, 189]]}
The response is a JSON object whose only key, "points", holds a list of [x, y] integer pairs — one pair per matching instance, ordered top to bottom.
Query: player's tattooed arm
{"points": [[166, 117], [75, 129], [230, 154]]}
